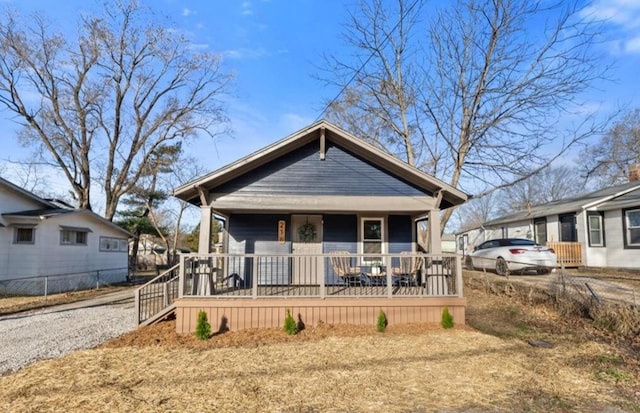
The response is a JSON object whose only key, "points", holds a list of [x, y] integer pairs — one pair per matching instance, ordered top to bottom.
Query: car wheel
{"points": [[502, 268], [544, 271]]}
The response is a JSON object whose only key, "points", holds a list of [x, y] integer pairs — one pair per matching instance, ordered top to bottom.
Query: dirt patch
{"points": [[12, 305], [488, 366]]}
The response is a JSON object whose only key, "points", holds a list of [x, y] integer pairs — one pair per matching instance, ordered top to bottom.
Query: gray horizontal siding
{"points": [[301, 172], [258, 234]]}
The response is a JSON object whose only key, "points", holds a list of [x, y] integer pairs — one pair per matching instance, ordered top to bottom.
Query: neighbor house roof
{"points": [[189, 191], [620, 196], [51, 209]]}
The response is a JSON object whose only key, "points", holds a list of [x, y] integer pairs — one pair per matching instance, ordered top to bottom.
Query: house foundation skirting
{"points": [[240, 314]]}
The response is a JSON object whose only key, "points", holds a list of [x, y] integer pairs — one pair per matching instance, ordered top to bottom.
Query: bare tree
{"points": [[480, 95], [107, 99], [608, 161], [548, 185], [477, 211], [171, 212]]}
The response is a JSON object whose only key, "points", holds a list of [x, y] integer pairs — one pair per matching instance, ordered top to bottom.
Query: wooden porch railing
{"points": [[569, 254]]}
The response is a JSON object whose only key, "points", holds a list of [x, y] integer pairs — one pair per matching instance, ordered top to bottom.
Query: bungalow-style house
{"points": [[320, 223], [598, 229], [45, 245]]}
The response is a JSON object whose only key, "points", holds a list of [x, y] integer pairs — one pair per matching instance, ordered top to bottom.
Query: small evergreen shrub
{"points": [[447, 318], [382, 323], [290, 325], [203, 328]]}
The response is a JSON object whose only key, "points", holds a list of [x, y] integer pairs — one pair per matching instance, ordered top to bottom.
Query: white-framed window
{"points": [[595, 226], [632, 228], [24, 235], [73, 237], [372, 238], [113, 244]]}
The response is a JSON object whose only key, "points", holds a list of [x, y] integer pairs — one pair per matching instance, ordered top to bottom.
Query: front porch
{"points": [[254, 290]]}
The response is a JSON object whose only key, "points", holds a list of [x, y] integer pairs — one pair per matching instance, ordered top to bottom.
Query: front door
{"points": [[306, 236]]}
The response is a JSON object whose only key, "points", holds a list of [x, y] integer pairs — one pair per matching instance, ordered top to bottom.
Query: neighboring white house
{"points": [[605, 224], [73, 248]]}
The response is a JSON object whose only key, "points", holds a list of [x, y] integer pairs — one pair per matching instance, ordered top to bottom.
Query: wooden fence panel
{"points": [[569, 253]]}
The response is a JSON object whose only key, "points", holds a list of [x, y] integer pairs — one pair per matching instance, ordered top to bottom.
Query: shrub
{"points": [[447, 318], [382, 323], [290, 325], [203, 328]]}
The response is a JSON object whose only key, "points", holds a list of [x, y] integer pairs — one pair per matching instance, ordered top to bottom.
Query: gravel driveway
{"points": [[55, 331]]}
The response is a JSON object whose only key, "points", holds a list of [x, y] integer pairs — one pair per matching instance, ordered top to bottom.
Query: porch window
{"points": [[596, 229], [632, 230], [24, 235], [372, 238]]}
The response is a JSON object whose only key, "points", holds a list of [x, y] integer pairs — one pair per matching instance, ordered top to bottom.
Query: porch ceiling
{"points": [[306, 203]]}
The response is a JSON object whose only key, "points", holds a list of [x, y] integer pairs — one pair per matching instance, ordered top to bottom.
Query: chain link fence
{"points": [[59, 283], [611, 305]]}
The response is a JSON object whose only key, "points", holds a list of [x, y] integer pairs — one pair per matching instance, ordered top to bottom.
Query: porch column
{"points": [[435, 240], [204, 244]]}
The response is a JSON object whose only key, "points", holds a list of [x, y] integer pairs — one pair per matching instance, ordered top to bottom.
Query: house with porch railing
{"points": [[320, 223]]}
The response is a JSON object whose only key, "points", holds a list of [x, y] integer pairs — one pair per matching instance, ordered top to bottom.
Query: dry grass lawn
{"points": [[488, 366]]}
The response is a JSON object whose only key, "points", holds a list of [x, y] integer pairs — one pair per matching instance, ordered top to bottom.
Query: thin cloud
{"points": [[246, 8], [186, 12], [623, 18], [245, 53]]}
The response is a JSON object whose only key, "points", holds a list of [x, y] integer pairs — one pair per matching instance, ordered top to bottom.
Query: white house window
{"points": [[632, 224], [596, 232], [25, 235], [73, 237], [372, 238], [112, 244]]}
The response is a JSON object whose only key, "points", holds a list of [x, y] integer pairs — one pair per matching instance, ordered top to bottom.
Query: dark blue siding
{"points": [[301, 172], [399, 230], [399, 233], [249, 234], [340, 234]]}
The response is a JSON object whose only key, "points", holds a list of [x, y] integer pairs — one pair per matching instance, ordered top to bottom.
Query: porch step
{"points": [[161, 315]]}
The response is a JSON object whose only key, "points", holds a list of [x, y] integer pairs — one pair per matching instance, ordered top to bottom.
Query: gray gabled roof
{"points": [[189, 191], [26, 193], [620, 196], [51, 209]]}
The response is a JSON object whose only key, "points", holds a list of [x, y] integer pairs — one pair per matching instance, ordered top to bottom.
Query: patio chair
{"points": [[341, 263], [410, 265]]}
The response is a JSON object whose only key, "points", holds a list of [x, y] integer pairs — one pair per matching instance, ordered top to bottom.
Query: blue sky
{"points": [[274, 47]]}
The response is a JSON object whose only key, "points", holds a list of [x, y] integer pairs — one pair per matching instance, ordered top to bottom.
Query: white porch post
{"points": [[435, 240], [204, 244]]}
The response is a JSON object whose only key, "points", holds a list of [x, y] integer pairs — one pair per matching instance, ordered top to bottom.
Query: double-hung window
{"points": [[595, 226], [632, 228], [24, 235], [73, 235], [372, 235]]}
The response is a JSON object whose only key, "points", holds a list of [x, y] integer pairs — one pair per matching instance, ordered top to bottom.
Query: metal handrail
{"points": [[156, 295]]}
